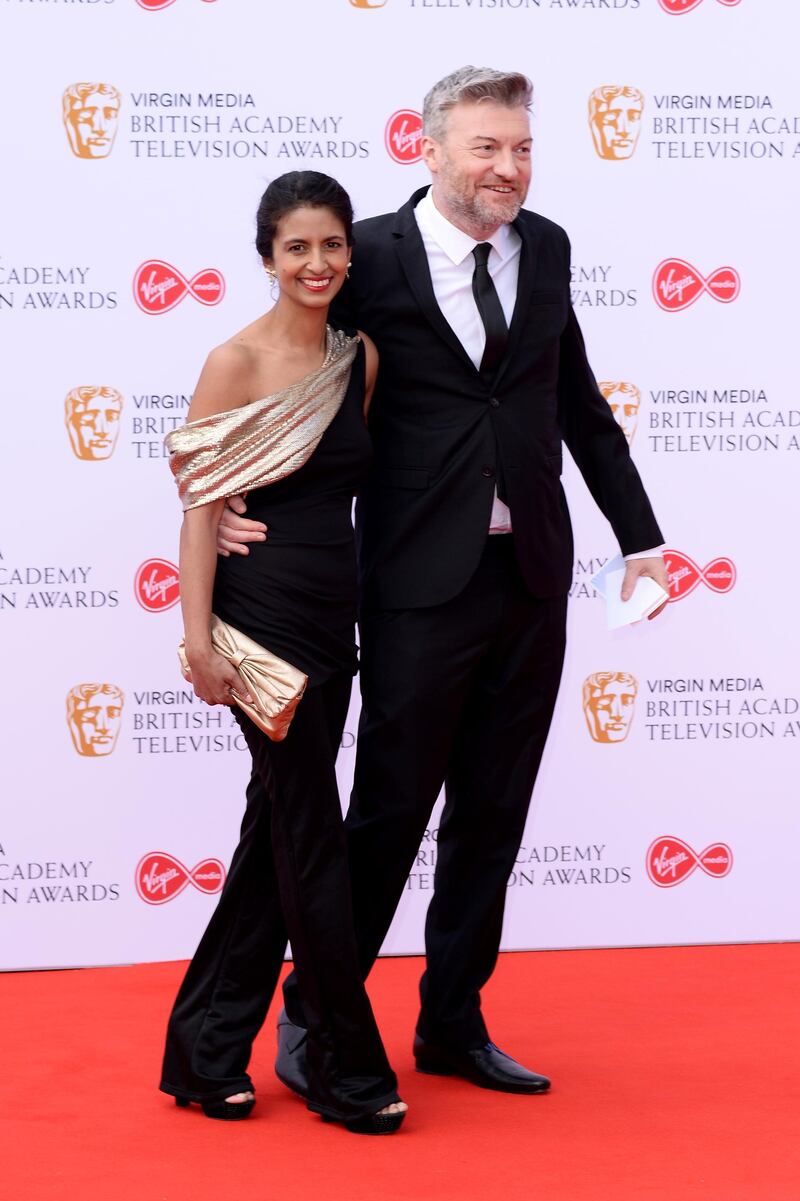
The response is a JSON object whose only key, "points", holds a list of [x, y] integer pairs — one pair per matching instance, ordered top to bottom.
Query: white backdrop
{"points": [[112, 844]]}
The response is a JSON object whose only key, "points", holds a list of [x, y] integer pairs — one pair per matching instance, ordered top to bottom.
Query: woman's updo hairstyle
{"points": [[300, 189]]}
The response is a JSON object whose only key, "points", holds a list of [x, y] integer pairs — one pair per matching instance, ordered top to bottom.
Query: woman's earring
{"points": [[347, 270], [274, 289]]}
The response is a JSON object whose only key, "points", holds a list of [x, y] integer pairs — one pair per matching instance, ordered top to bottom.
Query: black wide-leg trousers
{"points": [[462, 694], [288, 876]]}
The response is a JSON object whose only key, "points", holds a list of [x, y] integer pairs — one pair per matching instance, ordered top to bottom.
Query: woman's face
{"points": [[310, 256]]}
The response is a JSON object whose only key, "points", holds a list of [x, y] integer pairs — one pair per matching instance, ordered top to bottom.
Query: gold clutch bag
{"points": [[276, 686]]}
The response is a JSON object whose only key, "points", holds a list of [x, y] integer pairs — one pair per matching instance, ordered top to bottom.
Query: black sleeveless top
{"points": [[296, 593]]}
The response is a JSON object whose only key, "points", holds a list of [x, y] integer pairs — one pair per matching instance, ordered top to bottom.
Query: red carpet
{"points": [[676, 1077]]}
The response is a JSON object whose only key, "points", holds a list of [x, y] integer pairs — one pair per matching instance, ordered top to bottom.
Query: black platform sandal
{"points": [[225, 1111], [371, 1123]]}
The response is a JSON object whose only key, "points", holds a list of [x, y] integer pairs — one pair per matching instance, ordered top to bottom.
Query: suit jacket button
{"points": [[494, 402], [487, 471]]}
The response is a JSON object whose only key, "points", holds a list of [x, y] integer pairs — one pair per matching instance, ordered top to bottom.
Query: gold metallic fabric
{"points": [[264, 441], [276, 686]]}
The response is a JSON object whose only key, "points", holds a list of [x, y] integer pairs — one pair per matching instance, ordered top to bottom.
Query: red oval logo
{"points": [[153, 6], [677, 7], [403, 135], [677, 285], [159, 287], [684, 575], [157, 585], [670, 861], [160, 877]]}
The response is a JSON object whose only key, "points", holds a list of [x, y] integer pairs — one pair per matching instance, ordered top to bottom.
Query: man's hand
{"points": [[235, 531], [655, 568]]}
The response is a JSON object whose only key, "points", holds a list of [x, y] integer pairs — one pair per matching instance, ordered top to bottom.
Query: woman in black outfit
{"points": [[279, 411]]}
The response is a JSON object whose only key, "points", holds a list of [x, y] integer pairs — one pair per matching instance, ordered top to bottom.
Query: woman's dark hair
{"points": [[300, 189]]}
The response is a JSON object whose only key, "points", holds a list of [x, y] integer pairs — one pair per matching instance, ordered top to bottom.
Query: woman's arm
{"points": [[370, 369], [222, 386]]}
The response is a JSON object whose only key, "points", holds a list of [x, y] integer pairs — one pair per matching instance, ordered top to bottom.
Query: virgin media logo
{"points": [[153, 6], [676, 7], [403, 135], [677, 285], [158, 287], [684, 575], [157, 586], [670, 861], [161, 877]]}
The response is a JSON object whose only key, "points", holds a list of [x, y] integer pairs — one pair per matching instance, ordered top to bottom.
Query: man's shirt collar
{"points": [[453, 241]]}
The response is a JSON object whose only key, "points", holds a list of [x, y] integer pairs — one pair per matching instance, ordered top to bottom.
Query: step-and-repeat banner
{"points": [[137, 137]]}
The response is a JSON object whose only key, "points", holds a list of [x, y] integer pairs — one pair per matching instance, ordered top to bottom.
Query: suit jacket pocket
{"points": [[545, 296], [402, 477]]}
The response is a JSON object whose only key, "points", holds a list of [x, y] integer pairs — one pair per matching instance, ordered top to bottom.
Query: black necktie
{"points": [[491, 311]]}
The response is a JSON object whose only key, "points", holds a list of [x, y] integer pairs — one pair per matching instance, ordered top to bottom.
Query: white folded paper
{"points": [[647, 595]]}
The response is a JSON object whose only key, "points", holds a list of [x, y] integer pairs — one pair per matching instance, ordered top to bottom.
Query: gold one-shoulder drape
{"points": [[263, 441]]}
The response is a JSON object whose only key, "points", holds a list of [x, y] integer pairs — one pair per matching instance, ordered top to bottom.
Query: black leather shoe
{"points": [[290, 1062], [486, 1066]]}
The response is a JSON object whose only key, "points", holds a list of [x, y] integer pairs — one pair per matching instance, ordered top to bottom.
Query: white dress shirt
{"points": [[449, 251]]}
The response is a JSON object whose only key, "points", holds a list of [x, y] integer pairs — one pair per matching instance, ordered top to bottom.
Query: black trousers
{"points": [[462, 694], [289, 875]]}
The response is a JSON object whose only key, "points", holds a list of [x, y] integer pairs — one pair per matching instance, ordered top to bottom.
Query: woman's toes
{"points": [[239, 1098], [395, 1107]]}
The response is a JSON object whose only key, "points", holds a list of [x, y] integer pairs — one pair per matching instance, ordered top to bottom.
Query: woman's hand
{"points": [[214, 679]]}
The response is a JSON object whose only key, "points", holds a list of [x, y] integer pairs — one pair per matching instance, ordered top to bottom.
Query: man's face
{"points": [[92, 124], [616, 125], [482, 166], [625, 407], [93, 424], [609, 711], [94, 724]]}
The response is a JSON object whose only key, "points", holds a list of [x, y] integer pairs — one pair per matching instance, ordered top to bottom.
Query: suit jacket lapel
{"points": [[414, 261], [527, 273]]}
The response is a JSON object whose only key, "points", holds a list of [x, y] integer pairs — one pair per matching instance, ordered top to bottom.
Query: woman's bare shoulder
{"points": [[225, 381]]}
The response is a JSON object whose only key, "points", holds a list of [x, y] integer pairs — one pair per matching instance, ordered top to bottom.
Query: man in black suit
{"points": [[465, 549]]}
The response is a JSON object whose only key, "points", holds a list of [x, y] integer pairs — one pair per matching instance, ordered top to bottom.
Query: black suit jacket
{"points": [[442, 434]]}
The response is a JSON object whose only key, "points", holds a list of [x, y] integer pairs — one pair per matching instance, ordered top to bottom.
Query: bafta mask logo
{"points": [[368, 3], [91, 113], [615, 119], [403, 136], [624, 400], [92, 419], [609, 701], [94, 716]]}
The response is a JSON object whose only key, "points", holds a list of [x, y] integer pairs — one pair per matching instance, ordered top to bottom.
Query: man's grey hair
{"points": [[471, 85]]}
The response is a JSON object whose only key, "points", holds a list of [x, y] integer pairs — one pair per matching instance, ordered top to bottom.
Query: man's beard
{"points": [[476, 210]]}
